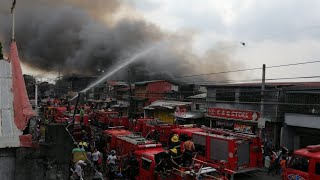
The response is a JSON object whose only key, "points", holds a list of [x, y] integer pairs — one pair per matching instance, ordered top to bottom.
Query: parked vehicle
{"points": [[304, 164]]}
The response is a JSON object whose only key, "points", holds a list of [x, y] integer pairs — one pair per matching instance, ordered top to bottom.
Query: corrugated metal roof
{"points": [[146, 82], [198, 96], [167, 104], [9, 133]]}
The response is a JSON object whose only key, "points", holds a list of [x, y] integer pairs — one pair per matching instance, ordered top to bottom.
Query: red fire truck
{"points": [[111, 118], [148, 127], [186, 130], [110, 136], [146, 151], [242, 152], [149, 164], [304, 164]]}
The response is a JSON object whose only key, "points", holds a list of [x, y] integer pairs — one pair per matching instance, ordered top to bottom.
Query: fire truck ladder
{"points": [[244, 136]]}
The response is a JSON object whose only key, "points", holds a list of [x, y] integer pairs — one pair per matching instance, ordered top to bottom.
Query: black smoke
{"points": [[82, 37]]}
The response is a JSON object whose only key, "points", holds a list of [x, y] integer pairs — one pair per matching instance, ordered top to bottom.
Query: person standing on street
{"points": [[81, 115], [96, 155], [78, 171]]}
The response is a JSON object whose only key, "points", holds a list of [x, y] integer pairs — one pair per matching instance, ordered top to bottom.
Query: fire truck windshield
{"points": [[299, 163]]}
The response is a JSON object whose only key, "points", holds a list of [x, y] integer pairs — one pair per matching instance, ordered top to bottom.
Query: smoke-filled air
{"points": [[87, 37]]}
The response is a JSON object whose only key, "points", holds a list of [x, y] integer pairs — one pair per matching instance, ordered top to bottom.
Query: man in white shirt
{"points": [[95, 157], [112, 158], [78, 169]]}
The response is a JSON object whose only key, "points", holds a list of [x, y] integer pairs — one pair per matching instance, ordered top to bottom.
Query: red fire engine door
{"points": [[315, 169]]}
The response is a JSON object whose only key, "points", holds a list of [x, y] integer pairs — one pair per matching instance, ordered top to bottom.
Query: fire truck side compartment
{"points": [[243, 154]]}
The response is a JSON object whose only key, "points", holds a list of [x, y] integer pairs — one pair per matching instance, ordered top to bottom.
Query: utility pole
{"points": [[263, 86], [36, 96], [130, 96]]}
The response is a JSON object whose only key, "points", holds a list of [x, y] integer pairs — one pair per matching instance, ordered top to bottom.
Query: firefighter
{"points": [[175, 142], [189, 148], [176, 156]]}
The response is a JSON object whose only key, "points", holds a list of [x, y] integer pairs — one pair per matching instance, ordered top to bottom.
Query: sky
{"points": [[274, 32]]}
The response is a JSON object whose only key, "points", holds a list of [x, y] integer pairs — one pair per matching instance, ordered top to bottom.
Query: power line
{"points": [[249, 69]]}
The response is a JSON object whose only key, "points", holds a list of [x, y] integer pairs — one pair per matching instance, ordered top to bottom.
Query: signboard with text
{"points": [[233, 114], [224, 124]]}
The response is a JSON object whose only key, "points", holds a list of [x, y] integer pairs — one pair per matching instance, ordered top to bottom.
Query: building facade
{"points": [[147, 92], [238, 107], [301, 126]]}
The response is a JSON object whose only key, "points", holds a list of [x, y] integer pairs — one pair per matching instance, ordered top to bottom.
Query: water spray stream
{"points": [[116, 69]]}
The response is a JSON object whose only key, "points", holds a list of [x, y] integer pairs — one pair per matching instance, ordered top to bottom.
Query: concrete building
{"points": [[147, 92], [238, 107], [301, 113]]}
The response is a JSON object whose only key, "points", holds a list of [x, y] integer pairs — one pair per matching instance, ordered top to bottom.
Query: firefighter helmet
{"points": [[175, 138], [174, 150]]}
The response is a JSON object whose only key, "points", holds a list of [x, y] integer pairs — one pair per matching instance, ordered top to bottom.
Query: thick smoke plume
{"points": [[84, 37]]}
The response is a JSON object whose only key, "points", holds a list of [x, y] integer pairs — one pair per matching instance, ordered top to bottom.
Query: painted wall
{"points": [[157, 89], [164, 115]]}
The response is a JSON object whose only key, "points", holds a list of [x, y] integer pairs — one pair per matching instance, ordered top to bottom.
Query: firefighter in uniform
{"points": [[175, 142], [176, 155]]}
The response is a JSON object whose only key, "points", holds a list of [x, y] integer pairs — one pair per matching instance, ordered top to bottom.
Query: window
{"points": [[225, 95], [247, 96], [197, 106], [146, 163], [299, 163], [317, 170]]}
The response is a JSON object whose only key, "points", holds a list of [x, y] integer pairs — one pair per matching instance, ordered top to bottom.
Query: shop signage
{"points": [[233, 114], [224, 124]]}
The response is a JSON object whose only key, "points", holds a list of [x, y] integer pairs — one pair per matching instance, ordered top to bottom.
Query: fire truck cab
{"points": [[304, 164]]}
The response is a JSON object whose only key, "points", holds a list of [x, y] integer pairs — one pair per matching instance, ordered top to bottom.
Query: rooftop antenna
{"points": [[12, 12]]}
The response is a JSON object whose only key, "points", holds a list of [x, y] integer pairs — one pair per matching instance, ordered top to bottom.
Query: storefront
{"points": [[165, 110], [238, 120], [300, 130]]}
